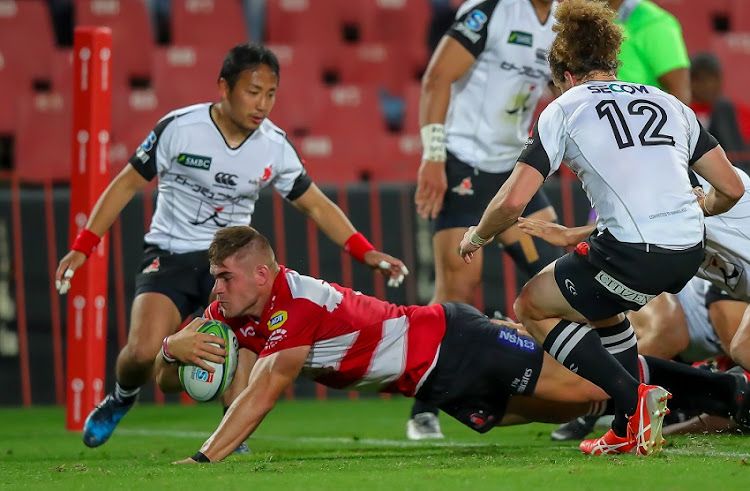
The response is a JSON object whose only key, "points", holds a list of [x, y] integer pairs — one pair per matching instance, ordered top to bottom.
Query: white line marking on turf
{"points": [[312, 439], [401, 443]]}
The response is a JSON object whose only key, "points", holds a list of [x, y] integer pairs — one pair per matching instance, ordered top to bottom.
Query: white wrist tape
{"points": [[433, 142], [476, 240]]}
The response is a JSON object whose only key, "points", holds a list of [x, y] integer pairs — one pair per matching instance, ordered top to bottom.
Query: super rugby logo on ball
{"points": [[202, 385]]}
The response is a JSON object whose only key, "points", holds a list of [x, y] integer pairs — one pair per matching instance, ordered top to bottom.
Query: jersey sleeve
{"points": [[471, 28], [662, 46], [545, 147], [152, 156], [292, 180], [293, 325]]}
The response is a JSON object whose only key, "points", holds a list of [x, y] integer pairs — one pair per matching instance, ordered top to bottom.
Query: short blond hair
{"points": [[239, 240]]}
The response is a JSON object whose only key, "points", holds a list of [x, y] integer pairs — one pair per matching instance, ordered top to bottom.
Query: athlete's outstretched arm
{"points": [[449, 62], [726, 186], [109, 205], [504, 209], [331, 220], [268, 380]]}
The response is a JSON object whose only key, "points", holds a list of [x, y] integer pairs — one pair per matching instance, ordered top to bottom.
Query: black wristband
{"points": [[200, 458]]}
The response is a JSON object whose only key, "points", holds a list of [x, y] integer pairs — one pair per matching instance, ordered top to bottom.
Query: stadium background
{"points": [[348, 98]]}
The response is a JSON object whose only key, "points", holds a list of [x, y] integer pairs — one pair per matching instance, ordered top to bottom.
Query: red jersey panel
{"points": [[357, 342]]}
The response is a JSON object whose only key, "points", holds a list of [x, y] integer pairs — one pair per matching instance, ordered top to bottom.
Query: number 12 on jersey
{"points": [[650, 134]]}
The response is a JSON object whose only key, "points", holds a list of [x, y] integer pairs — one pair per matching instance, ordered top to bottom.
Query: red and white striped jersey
{"points": [[357, 342]]}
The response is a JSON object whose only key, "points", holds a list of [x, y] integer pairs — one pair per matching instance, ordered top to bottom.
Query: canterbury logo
{"points": [[225, 179]]}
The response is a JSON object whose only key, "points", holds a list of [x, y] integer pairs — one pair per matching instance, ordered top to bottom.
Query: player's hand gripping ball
{"points": [[205, 386]]}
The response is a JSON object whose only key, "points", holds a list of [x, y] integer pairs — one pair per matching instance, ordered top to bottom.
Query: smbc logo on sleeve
{"points": [[194, 161]]}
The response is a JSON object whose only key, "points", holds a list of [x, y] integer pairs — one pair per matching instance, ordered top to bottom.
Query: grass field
{"points": [[343, 445]]}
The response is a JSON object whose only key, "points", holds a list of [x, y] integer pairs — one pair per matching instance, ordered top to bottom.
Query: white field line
{"points": [[401, 443]]}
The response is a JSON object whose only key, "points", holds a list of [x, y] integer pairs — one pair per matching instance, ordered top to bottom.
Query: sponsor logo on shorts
{"points": [[521, 38], [194, 161], [464, 187], [152, 268], [571, 287], [621, 290], [277, 320], [509, 336], [202, 375], [525, 380], [520, 384]]}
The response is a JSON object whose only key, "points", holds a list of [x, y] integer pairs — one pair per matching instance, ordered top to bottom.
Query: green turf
{"points": [[343, 445]]}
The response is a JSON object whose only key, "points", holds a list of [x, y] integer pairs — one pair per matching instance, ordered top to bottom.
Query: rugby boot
{"points": [[102, 421], [424, 426], [645, 426], [607, 445]]}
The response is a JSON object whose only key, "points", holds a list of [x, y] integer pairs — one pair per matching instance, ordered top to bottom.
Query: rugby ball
{"points": [[204, 386]]}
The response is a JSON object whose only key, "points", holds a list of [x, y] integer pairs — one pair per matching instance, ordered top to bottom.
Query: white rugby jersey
{"points": [[491, 106], [630, 145], [204, 184], [727, 253], [357, 342], [704, 342]]}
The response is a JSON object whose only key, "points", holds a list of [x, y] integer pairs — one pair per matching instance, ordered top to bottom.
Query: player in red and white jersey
{"points": [[211, 161], [356, 341], [449, 355]]}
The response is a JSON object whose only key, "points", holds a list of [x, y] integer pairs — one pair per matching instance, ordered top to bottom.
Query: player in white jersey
{"points": [[478, 97], [631, 146], [212, 160], [725, 265], [699, 321], [482, 372]]}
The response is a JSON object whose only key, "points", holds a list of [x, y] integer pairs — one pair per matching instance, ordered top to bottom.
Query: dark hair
{"points": [[588, 40], [246, 57], [705, 63], [239, 240]]}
